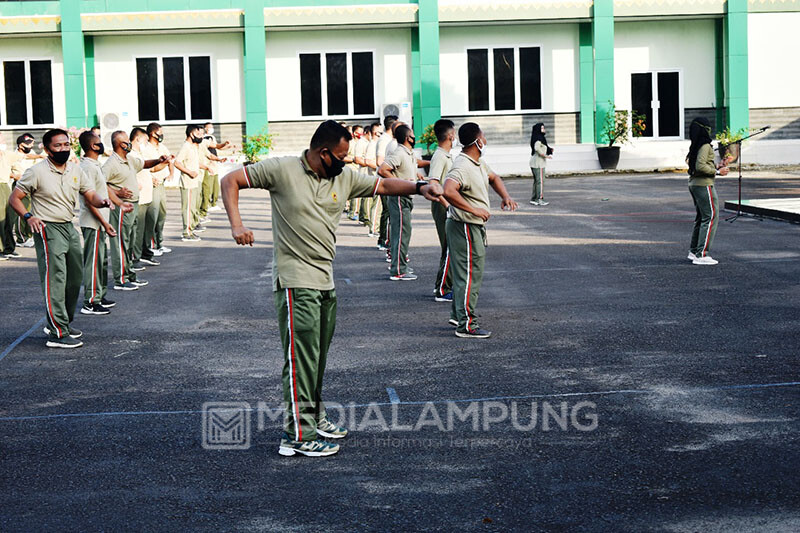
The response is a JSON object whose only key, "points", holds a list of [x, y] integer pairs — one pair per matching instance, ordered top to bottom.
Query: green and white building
{"points": [[287, 64]]}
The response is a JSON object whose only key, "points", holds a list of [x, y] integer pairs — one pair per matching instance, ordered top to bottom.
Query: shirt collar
{"points": [[408, 150], [445, 152], [119, 158], [90, 160], [477, 163], [306, 167], [54, 169]]}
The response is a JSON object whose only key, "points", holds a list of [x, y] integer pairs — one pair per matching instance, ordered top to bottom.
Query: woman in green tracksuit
{"points": [[540, 153], [701, 185]]}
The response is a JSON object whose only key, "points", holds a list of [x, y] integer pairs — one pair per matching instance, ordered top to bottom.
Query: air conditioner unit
{"points": [[402, 110], [113, 121]]}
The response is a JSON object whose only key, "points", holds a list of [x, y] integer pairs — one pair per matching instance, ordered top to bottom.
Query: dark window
{"points": [[336, 71], [478, 73], [504, 79], [530, 82], [363, 84], [310, 85], [147, 87], [200, 87], [174, 89], [41, 92], [16, 94], [642, 99], [669, 105]]}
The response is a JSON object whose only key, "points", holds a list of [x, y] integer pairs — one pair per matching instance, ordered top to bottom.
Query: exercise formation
{"points": [[366, 173]]}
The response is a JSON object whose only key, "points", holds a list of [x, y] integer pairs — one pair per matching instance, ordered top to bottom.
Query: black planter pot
{"points": [[608, 156]]}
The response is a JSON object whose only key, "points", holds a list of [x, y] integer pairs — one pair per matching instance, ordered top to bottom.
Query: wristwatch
{"points": [[421, 184], [27, 215]]}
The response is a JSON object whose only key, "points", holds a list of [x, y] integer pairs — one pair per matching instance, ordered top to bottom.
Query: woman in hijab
{"points": [[540, 153], [701, 185]]}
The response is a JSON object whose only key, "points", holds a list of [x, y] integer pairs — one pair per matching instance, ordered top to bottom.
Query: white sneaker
{"points": [[534, 202], [542, 202], [214, 208], [28, 244], [165, 250], [157, 253], [691, 256], [704, 261]]}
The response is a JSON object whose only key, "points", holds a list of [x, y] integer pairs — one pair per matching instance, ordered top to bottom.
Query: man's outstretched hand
{"points": [[243, 236]]}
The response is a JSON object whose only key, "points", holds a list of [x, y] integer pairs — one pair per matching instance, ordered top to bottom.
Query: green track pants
{"points": [[538, 184], [207, 193], [160, 198], [188, 213], [147, 216], [705, 223], [21, 228], [383, 228], [399, 232], [7, 241], [122, 245], [467, 245], [58, 254], [95, 265], [443, 278], [307, 319]]}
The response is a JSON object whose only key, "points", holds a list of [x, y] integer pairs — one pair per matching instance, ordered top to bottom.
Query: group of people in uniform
{"points": [[122, 197]]}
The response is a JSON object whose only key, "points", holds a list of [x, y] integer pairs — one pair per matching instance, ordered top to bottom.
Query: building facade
{"points": [[287, 64]]}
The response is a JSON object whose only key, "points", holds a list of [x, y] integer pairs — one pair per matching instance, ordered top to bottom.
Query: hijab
{"points": [[699, 134], [537, 135]]}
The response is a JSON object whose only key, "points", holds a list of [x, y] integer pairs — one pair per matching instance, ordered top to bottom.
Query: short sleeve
{"points": [[182, 154], [394, 160], [136, 162], [487, 168], [108, 170], [436, 170], [264, 174], [457, 176], [28, 183], [86, 183], [362, 184]]}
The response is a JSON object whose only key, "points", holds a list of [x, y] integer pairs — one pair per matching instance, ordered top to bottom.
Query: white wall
{"points": [[774, 42], [685, 45], [39, 48], [391, 62], [559, 63], [115, 69]]}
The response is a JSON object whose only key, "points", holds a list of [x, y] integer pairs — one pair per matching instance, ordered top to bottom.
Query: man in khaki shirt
{"points": [[156, 148], [208, 157], [188, 162], [441, 163], [400, 164], [120, 172], [53, 187], [466, 187], [308, 195], [147, 214], [7, 242]]}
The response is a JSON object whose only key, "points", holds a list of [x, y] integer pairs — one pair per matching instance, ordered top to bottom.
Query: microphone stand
{"points": [[739, 158]]}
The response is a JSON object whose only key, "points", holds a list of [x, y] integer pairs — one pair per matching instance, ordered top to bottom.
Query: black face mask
{"points": [[160, 138], [196, 140], [412, 141], [127, 147], [100, 148], [26, 149], [59, 158], [335, 168]]}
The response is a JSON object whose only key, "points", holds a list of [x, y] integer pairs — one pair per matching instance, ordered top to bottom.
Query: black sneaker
{"points": [[13, 255], [151, 262], [138, 267], [140, 282], [127, 286], [107, 303], [94, 309], [74, 333], [474, 334], [66, 342]]}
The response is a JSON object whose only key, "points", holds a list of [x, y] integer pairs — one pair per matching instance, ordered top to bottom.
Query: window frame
{"points": [[323, 80], [517, 80], [187, 93], [29, 94], [681, 104]]}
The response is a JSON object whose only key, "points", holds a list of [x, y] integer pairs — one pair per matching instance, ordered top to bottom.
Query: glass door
{"points": [[657, 96]]}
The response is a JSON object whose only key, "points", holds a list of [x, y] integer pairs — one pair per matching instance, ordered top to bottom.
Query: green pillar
{"points": [[603, 40], [73, 55], [255, 66], [427, 66], [586, 70], [719, 74], [736, 76], [416, 83], [91, 93]]}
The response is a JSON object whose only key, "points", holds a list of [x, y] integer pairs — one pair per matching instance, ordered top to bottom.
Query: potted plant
{"points": [[618, 127], [428, 138], [74, 140], [729, 143], [256, 146]]}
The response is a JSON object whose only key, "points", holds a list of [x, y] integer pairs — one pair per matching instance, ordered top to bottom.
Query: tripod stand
{"points": [[739, 158]]}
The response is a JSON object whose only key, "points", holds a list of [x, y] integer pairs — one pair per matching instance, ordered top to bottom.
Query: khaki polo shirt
{"points": [[383, 143], [361, 149], [149, 151], [204, 153], [351, 153], [372, 154], [189, 157], [20, 163], [403, 163], [441, 163], [5, 169], [94, 171], [122, 173], [473, 177], [145, 180], [54, 193], [306, 211]]}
